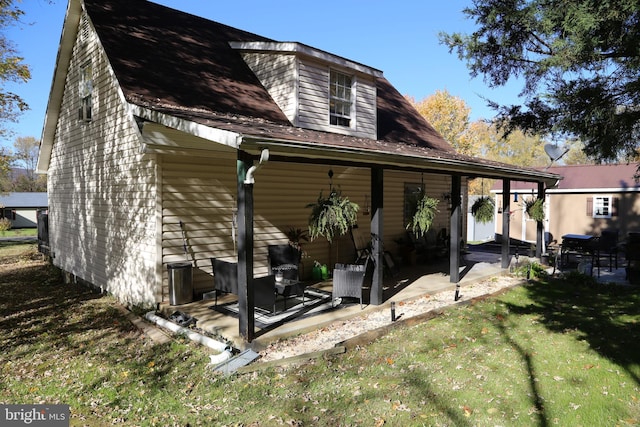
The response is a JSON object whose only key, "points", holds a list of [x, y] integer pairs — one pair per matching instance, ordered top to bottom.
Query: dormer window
{"points": [[340, 99]]}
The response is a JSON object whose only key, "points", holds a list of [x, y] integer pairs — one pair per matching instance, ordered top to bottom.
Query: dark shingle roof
{"points": [[171, 61], [584, 177]]}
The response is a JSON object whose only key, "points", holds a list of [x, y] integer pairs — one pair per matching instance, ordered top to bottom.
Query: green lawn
{"points": [[20, 232], [545, 354]]}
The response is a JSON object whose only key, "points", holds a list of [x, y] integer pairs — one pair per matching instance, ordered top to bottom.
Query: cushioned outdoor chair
{"points": [[284, 259], [225, 278], [348, 281]]}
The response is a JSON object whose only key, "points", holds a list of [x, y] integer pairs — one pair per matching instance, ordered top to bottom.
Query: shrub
{"points": [[5, 225]]}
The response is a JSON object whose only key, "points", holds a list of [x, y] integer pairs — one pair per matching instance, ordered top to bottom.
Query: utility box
{"points": [[180, 283]]}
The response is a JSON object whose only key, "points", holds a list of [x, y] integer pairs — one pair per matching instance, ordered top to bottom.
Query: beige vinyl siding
{"points": [[277, 73], [300, 87], [314, 100], [366, 109], [102, 190], [201, 192]]}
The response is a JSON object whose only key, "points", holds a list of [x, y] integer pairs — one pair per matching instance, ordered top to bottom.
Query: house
{"points": [[170, 137], [589, 199], [22, 208]]}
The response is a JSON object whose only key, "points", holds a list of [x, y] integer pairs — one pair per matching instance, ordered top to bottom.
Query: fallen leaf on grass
{"points": [[467, 411]]}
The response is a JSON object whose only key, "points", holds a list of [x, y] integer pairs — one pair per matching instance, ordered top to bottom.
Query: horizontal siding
{"points": [[277, 75], [314, 101], [366, 110], [102, 191], [281, 194]]}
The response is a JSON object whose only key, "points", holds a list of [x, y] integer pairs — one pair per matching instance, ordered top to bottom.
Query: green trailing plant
{"points": [[534, 207], [483, 209], [332, 215], [422, 219]]}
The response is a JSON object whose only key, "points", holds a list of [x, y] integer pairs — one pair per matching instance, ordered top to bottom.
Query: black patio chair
{"points": [[607, 245], [284, 259], [225, 278]]}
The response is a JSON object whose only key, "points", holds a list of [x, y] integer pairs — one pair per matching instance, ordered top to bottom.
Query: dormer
{"points": [[315, 89]]}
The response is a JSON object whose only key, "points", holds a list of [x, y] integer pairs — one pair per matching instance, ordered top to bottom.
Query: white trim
{"points": [[299, 48], [230, 139]]}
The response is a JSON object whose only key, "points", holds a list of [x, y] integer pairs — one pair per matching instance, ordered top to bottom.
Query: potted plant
{"points": [[483, 209], [535, 209], [425, 212], [332, 215], [296, 236]]}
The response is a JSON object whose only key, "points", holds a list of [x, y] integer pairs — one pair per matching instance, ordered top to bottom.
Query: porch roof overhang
{"points": [[308, 146], [418, 161]]}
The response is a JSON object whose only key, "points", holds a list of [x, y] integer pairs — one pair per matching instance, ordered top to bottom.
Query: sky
{"points": [[399, 38]]}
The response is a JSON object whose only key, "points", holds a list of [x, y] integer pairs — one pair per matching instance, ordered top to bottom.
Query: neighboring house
{"points": [[158, 118], [589, 199], [22, 208]]}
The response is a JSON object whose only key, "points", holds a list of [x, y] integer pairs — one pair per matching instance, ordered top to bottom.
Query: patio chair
{"points": [[361, 245], [607, 245], [284, 259], [225, 278], [348, 281]]}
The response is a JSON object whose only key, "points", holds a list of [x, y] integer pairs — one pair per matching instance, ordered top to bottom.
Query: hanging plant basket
{"points": [[483, 209], [535, 209], [332, 215], [422, 219]]}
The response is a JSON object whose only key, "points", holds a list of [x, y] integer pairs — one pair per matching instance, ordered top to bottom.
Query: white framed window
{"points": [[85, 93], [340, 98], [602, 206]]}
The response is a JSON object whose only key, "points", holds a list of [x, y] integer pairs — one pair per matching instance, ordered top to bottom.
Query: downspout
{"points": [[264, 157]]}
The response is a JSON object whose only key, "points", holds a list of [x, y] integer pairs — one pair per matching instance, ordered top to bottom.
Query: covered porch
{"points": [[410, 283]]}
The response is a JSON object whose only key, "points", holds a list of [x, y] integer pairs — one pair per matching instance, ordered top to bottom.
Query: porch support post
{"points": [[377, 192], [506, 196], [540, 225], [455, 226], [245, 249]]}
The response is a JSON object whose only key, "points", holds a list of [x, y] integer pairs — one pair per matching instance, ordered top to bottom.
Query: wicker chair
{"points": [[348, 280]]}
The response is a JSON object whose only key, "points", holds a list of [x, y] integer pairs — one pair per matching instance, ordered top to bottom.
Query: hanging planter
{"points": [[483, 209], [535, 209], [332, 216], [422, 219]]}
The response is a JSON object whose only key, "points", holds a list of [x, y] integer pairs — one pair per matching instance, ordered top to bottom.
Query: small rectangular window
{"points": [[85, 92], [340, 93], [602, 207]]}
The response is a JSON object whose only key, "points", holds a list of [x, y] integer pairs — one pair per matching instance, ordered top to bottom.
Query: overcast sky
{"points": [[399, 37]]}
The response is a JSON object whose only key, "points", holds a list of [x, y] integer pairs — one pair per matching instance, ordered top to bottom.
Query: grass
{"points": [[20, 232], [549, 353]]}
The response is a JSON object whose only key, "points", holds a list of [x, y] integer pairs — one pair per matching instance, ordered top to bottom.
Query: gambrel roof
{"points": [[173, 66]]}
